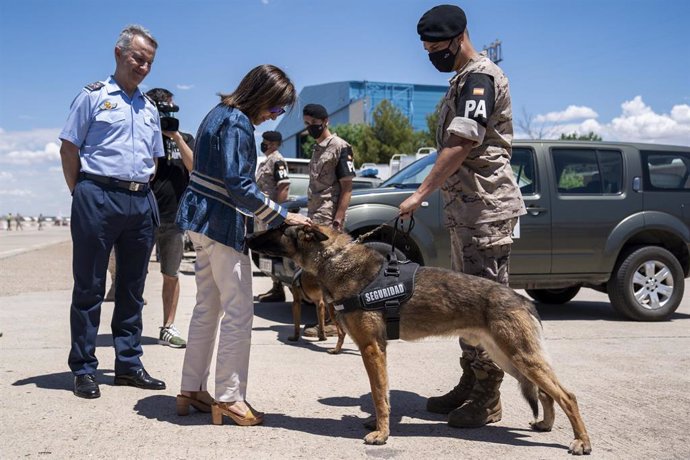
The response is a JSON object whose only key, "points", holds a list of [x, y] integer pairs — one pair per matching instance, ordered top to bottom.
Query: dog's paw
{"points": [[293, 338], [322, 338], [334, 351], [541, 426], [376, 438], [580, 447]]}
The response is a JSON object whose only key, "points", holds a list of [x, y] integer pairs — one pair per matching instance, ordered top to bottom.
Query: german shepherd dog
{"points": [[308, 288], [444, 303]]}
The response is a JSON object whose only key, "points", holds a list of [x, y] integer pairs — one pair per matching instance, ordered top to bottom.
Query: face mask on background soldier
{"points": [[444, 59], [315, 131]]}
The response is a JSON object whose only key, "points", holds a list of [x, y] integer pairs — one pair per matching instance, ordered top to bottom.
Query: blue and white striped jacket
{"points": [[222, 197]]}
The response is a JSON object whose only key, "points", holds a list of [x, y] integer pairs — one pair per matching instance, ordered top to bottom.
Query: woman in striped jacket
{"points": [[217, 209]]}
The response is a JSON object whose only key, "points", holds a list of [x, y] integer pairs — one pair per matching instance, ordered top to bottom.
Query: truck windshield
{"points": [[413, 175]]}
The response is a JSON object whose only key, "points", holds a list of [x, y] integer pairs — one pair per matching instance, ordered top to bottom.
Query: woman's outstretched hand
{"points": [[294, 218]]}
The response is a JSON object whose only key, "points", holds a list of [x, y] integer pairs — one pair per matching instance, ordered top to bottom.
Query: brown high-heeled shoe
{"points": [[182, 402], [250, 418]]}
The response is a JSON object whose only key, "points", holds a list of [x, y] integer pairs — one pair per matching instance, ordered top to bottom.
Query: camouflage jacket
{"points": [[477, 107], [330, 162], [271, 173]]}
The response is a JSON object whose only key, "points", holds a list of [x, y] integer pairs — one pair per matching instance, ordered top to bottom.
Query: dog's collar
{"points": [[392, 287]]}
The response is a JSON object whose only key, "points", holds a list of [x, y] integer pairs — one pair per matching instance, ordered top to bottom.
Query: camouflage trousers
{"points": [[482, 250]]}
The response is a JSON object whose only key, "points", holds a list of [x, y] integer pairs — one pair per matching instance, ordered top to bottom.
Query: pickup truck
{"points": [[614, 217]]}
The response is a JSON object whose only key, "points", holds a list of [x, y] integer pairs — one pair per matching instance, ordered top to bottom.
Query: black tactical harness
{"points": [[392, 287]]}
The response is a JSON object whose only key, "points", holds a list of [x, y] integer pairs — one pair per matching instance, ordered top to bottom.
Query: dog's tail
{"points": [[531, 393]]}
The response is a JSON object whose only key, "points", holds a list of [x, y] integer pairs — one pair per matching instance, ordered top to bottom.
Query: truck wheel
{"points": [[385, 249], [647, 284], [554, 296]]}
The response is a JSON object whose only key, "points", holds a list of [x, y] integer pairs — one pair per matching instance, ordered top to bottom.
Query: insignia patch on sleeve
{"points": [[477, 98], [346, 163], [280, 171]]}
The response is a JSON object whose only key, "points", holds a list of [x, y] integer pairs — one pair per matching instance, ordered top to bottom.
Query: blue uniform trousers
{"points": [[102, 217]]}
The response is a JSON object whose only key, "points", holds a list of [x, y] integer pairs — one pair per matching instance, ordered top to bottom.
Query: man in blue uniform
{"points": [[110, 145]]}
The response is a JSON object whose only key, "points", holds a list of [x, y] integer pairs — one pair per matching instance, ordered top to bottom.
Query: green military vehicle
{"points": [[614, 217]]}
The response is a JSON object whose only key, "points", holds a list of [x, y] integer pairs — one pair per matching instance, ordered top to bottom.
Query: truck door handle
{"points": [[535, 210]]}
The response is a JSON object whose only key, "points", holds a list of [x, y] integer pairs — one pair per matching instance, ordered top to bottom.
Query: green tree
{"points": [[391, 132], [353, 134], [580, 137], [427, 138], [307, 146]]}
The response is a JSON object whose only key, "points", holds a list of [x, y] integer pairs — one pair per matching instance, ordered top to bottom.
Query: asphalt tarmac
{"points": [[631, 381]]}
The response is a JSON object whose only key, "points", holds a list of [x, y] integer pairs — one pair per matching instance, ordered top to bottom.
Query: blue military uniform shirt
{"points": [[117, 136]]}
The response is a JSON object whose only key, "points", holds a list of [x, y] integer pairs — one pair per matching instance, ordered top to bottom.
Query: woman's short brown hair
{"points": [[264, 87]]}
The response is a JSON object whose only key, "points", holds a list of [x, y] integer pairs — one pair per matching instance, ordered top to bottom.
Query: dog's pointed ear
{"points": [[311, 234], [319, 235]]}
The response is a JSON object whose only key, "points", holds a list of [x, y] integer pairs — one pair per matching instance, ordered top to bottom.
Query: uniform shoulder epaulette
{"points": [[95, 86]]}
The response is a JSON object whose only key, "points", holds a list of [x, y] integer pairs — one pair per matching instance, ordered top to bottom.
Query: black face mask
{"points": [[444, 59], [315, 131], [264, 147]]}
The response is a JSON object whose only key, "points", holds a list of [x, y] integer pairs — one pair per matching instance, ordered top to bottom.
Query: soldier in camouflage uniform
{"points": [[331, 170], [272, 178], [482, 201]]}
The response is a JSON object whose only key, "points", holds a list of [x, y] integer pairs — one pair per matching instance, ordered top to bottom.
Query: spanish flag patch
{"points": [[477, 91]]}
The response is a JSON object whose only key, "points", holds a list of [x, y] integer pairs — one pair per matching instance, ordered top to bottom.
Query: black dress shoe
{"points": [[140, 379], [85, 386]]}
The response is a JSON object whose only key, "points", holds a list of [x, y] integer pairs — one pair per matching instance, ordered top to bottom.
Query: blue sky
{"points": [[619, 68]]}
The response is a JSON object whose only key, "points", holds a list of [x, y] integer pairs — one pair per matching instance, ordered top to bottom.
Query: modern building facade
{"points": [[351, 102]]}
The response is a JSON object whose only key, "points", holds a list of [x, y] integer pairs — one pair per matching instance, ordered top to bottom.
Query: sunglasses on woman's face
{"points": [[277, 110]]}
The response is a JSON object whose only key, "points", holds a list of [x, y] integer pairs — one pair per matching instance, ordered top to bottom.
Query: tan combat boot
{"points": [[456, 397], [484, 403]]}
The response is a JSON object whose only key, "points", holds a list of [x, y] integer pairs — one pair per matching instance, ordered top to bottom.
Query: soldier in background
{"points": [[331, 170], [272, 178], [482, 201]]}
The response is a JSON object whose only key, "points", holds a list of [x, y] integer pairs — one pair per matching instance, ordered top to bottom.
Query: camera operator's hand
{"points": [[174, 135], [185, 152]]}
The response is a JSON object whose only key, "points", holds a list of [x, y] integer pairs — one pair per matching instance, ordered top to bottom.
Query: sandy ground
{"points": [[631, 380]]}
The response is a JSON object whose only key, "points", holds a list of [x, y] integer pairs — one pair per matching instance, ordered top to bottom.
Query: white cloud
{"points": [[265, 2], [184, 87], [573, 112], [681, 113], [637, 122], [50, 153], [31, 180], [16, 192]]}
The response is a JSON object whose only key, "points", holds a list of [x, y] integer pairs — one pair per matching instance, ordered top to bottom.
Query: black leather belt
{"points": [[127, 185]]}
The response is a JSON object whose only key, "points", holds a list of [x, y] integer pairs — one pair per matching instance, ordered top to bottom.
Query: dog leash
{"points": [[397, 223], [401, 223]]}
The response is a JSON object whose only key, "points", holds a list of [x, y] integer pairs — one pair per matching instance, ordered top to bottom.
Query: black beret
{"points": [[441, 23], [315, 111], [273, 136]]}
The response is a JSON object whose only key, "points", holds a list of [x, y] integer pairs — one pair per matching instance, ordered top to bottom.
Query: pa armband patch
{"points": [[94, 86], [477, 98], [346, 163], [280, 171]]}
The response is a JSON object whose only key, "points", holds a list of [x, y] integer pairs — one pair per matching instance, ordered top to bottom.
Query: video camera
{"points": [[168, 123]]}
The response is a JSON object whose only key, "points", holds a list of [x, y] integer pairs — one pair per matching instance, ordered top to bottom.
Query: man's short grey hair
{"points": [[124, 41]]}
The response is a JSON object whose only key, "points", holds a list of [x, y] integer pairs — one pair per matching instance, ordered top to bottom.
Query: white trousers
{"points": [[224, 294]]}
